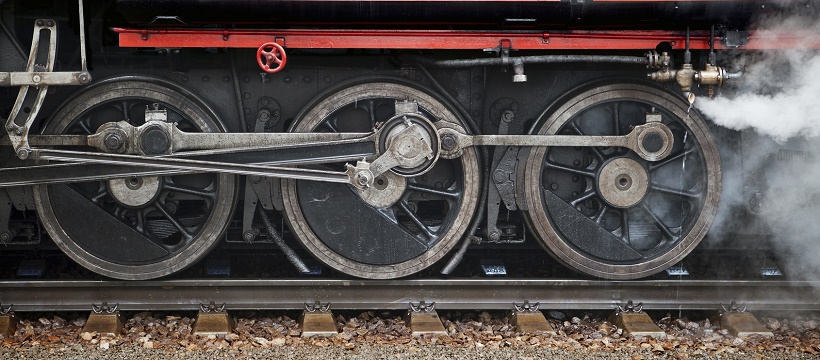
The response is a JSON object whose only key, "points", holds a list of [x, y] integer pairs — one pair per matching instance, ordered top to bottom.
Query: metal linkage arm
{"points": [[39, 75], [652, 141]]}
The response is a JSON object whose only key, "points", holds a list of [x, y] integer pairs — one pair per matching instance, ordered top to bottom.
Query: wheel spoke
{"points": [[372, 111], [125, 116], [328, 124], [85, 125], [671, 159], [568, 169], [431, 190], [667, 190], [208, 193], [97, 196], [582, 197], [600, 215], [414, 218], [658, 222], [140, 226], [625, 226], [185, 233]]}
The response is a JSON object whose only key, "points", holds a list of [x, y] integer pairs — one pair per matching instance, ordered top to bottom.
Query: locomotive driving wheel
{"points": [[605, 211], [409, 218], [139, 227]]}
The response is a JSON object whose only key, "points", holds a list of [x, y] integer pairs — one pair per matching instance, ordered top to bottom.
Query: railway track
{"points": [[237, 294]]}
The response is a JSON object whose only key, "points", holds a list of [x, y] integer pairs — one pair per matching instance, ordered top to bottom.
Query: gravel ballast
{"points": [[365, 335]]}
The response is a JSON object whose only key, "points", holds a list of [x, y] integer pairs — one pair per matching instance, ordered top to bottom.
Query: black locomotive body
{"points": [[381, 138]]}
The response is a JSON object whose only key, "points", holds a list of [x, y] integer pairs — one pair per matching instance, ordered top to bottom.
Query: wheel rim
{"points": [[584, 226], [136, 228], [402, 237]]}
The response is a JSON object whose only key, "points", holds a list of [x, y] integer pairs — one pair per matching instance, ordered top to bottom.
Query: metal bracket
{"points": [[736, 38], [503, 49], [39, 74], [28, 103], [502, 187], [212, 307], [317, 307], [423, 307], [527, 307], [630, 307], [104, 308], [733, 308], [5, 311]]}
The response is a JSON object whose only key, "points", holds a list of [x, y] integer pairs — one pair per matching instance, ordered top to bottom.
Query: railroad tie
{"points": [[528, 318], [104, 319], [423, 319], [213, 320], [317, 320], [8, 322], [635, 322], [740, 323]]}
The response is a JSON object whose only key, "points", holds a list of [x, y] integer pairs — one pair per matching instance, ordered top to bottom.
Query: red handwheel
{"points": [[271, 57]]}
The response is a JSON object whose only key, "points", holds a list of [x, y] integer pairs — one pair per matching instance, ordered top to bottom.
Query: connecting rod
{"points": [[150, 150]]}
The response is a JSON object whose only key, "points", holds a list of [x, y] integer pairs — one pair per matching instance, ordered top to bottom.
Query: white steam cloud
{"points": [[779, 92], [779, 96], [776, 105]]}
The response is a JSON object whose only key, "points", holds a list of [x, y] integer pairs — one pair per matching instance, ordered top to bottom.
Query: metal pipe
{"points": [[687, 55], [712, 56], [538, 59], [277, 239], [458, 256]]}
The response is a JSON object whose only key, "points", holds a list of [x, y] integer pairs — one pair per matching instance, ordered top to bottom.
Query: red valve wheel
{"points": [[271, 57]]}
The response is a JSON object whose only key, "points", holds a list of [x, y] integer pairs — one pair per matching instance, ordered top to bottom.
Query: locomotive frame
{"points": [[413, 141]]}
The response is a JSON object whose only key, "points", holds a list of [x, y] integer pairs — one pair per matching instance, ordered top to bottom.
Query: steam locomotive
{"points": [[381, 138]]}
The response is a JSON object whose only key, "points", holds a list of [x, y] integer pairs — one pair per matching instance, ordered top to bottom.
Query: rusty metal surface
{"points": [[397, 294]]}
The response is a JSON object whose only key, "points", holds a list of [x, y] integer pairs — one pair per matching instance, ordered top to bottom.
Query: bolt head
{"points": [[508, 116], [113, 141], [448, 142], [500, 177], [362, 179], [495, 236]]}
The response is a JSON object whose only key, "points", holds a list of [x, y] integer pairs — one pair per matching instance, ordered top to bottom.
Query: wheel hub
{"points": [[413, 141], [622, 182], [134, 191]]}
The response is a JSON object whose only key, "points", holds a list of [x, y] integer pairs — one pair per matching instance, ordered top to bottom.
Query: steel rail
{"points": [[486, 294]]}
